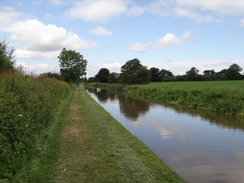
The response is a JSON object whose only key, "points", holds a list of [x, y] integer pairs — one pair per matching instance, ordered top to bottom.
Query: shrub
{"points": [[26, 109]]}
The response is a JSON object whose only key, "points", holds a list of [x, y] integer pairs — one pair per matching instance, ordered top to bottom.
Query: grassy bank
{"points": [[220, 96], [27, 107], [96, 148]]}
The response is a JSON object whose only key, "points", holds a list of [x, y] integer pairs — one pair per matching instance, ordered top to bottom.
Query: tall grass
{"points": [[222, 99], [26, 109]]}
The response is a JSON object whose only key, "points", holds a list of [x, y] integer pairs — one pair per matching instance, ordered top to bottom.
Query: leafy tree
{"points": [[6, 57], [72, 65], [132, 72], [233, 72], [155, 74], [192, 74], [102, 75], [166, 75], [209, 75], [113, 77], [92, 80]]}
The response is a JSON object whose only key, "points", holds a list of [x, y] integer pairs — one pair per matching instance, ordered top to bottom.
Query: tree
{"points": [[6, 57], [72, 65], [132, 72], [233, 72], [192, 74], [102, 75], [155, 75], [166, 75], [209, 75], [113, 77]]}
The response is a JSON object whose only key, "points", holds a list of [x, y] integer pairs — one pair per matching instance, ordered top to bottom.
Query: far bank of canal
{"points": [[200, 146]]}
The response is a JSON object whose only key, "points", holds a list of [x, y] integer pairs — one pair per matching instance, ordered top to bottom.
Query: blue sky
{"points": [[171, 34]]}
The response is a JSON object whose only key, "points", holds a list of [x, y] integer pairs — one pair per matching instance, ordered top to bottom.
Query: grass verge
{"points": [[96, 148], [42, 166]]}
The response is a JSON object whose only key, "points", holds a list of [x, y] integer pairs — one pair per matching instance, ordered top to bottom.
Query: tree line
{"points": [[73, 68], [132, 72]]}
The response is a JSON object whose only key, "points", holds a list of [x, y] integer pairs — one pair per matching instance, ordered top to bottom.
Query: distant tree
{"points": [[6, 57], [72, 65], [132, 72], [209, 72], [233, 72], [192, 74], [222, 74], [102, 75], [143, 75], [155, 75], [166, 75], [209, 75], [113, 78], [180, 78], [92, 80]]}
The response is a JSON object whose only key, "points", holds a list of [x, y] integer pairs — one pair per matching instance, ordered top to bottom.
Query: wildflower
{"points": [[20, 115]]}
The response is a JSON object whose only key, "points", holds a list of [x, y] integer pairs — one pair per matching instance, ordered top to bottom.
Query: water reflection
{"points": [[130, 107], [201, 146]]}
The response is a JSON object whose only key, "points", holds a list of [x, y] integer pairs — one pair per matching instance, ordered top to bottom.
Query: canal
{"points": [[202, 147]]}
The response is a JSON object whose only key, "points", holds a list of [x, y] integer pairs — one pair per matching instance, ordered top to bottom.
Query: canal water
{"points": [[202, 147]]}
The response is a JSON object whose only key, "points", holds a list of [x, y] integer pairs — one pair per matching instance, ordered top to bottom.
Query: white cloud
{"points": [[223, 7], [98, 10], [199, 10], [7, 17], [242, 22], [100, 31], [43, 40], [171, 40], [138, 47], [112, 67], [38, 68]]}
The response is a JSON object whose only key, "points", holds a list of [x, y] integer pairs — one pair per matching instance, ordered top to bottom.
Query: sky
{"points": [[175, 35]]}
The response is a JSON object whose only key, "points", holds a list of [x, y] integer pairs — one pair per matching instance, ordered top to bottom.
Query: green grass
{"points": [[199, 84], [220, 96], [27, 105], [96, 148]]}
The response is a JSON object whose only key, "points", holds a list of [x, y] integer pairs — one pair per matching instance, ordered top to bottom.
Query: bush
{"points": [[26, 109]]}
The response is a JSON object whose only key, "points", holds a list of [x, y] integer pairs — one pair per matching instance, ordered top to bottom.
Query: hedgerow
{"points": [[26, 109]]}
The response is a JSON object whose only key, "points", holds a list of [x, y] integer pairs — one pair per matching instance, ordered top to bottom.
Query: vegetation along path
{"points": [[96, 148]]}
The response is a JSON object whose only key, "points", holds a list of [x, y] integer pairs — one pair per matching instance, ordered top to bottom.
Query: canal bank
{"points": [[203, 147], [96, 148]]}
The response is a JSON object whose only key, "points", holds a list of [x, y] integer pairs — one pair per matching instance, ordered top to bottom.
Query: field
{"points": [[202, 84], [220, 96]]}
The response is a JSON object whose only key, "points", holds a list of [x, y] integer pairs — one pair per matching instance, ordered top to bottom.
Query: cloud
{"points": [[223, 7], [98, 10], [200, 10], [7, 17], [242, 22], [100, 31], [42, 40], [171, 40], [138, 47], [112, 67], [38, 68]]}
